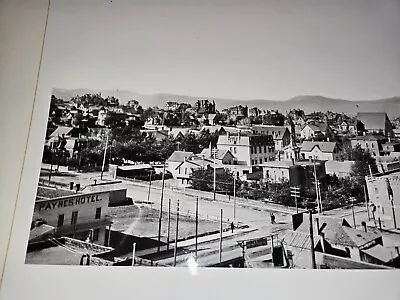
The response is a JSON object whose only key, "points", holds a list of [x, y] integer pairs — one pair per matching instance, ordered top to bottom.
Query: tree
{"points": [[114, 120], [364, 162], [203, 179]]}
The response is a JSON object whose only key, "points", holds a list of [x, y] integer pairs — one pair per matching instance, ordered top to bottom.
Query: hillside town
{"points": [[190, 185]]}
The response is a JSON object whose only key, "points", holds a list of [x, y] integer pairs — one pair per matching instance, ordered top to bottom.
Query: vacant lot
{"points": [[143, 222]]}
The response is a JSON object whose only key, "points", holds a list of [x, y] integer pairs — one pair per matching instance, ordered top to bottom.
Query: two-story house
{"points": [[280, 134], [249, 149], [321, 150]]}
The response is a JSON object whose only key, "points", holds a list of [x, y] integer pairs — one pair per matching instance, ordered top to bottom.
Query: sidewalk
{"points": [[201, 240]]}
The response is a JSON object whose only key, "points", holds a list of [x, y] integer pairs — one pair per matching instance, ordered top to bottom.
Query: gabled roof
{"points": [[373, 120], [312, 127], [61, 130], [277, 132], [327, 147], [220, 154], [179, 156], [199, 163], [338, 232], [298, 239], [381, 253]]}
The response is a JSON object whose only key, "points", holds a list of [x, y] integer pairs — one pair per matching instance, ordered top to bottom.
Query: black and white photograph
{"points": [[226, 134]]}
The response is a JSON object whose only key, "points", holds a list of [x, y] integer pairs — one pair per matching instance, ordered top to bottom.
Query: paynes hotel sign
{"points": [[70, 201]]}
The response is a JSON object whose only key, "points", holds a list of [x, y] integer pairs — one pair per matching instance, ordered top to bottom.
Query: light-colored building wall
{"points": [[307, 133], [239, 146], [372, 146], [318, 154], [274, 174], [379, 196], [84, 205]]}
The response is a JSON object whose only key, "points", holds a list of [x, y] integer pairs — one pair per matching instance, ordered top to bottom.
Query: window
{"points": [[366, 145], [372, 145], [260, 149], [265, 149], [234, 150], [251, 150], [255, 150], [266, 159], [260, 160], [179, 170], [185, 170], [267, 174], [98, 213], [74, 217], [60, 221], [96, 234]]}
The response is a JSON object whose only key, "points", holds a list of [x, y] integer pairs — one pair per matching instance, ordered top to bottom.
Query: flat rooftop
{"points": [[50, 193], [59, 254]]}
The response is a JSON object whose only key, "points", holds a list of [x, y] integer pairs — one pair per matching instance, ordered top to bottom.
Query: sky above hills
{"points": [[226, 49]]}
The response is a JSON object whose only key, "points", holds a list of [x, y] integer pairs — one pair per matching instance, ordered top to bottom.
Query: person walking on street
{"points": [[272, 218], [232, 226]]}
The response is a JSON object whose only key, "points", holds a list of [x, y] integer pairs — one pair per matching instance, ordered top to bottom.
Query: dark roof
{"points": [[373, 120], [323, 126], [277, 132], [323, 146], [179, 156]]}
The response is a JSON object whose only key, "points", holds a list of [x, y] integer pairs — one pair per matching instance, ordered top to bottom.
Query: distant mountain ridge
{"points": [[308, 103]]}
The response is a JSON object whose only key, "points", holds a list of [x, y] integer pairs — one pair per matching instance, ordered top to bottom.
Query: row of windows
{"points": [[232, 149], [267, 149], [266, 159], [185, 170], [275, 173], [74, 217]]}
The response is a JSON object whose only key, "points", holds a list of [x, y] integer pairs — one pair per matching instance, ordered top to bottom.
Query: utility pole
{"points": [[104, 158], [215, 173], [316, 186], [148, 194], [296, 194], [390, 194], [320, 197], [234, 198], [366, 202], [352, 210], [169, 222], [159, 226], [197, 226], [176, 234], [220, 238], [133, 254], [314, 265]]}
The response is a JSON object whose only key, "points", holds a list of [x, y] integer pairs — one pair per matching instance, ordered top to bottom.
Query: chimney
{"points": [[364, 225], [397, 250]]}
